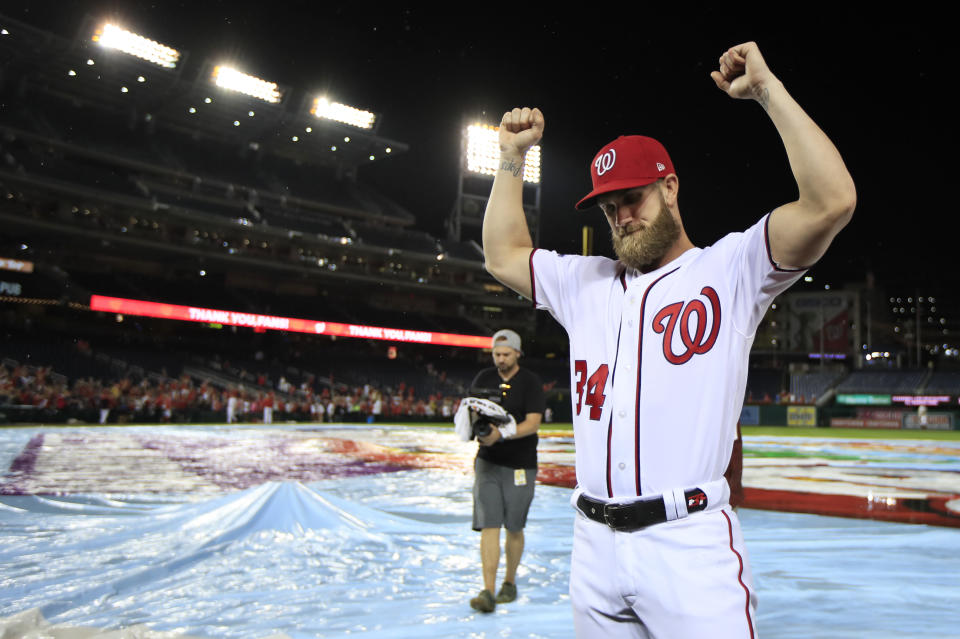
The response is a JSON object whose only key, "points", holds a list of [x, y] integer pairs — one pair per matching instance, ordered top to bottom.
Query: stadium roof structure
{"points": [[185, 98], [147, 181]]}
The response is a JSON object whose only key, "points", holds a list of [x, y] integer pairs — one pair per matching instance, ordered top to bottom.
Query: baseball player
{"points": [[659, 346]]}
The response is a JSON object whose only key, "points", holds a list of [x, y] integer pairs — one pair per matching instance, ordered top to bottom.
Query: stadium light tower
{"points": [[111, 36], [233, 80], [325, 108], [482, 153], [480, 159]]}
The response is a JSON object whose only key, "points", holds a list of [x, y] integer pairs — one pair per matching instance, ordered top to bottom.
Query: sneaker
{"points": [[508, 592], [483, 602]]}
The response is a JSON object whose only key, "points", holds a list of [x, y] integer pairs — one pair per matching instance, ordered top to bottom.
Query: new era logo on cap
{"points": [[627, 162]]}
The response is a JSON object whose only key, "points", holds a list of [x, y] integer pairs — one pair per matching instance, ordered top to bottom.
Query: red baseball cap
{"points": [[626, 163]]}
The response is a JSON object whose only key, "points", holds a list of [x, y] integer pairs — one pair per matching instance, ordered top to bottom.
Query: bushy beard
{"points": [[645, 248]]}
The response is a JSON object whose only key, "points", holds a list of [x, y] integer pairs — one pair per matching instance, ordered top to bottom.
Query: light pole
{"points": [[479, 162]]}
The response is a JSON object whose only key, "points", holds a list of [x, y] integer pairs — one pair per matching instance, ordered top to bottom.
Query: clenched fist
{"points": [[743, 73], [520, 129]]}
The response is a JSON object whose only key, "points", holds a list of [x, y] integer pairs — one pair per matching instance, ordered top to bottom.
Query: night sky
{"points": [[875, 83]]}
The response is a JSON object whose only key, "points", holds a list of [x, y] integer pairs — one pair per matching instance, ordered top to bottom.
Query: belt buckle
{"points": [[610, 512]]}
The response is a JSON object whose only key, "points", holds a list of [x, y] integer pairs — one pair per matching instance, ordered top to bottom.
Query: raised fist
{"points": [[743, 73], [520, 129]]}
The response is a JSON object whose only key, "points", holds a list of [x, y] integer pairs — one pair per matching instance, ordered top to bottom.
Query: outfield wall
{"points": [[847, 416]]}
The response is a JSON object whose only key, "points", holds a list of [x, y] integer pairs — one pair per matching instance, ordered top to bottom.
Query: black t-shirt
{"points": [[521, 394]]}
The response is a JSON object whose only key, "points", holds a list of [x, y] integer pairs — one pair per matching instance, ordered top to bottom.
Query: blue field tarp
{"points": [[392, 555]]}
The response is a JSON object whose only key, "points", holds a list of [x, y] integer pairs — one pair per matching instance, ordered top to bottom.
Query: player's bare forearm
{"points": [[800, 231], [506, 238]]}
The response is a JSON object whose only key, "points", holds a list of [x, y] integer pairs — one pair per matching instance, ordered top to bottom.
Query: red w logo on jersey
{"points": [[666, 322]]}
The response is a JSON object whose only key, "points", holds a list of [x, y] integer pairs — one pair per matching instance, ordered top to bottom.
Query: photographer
{"points": [[504, 421]]}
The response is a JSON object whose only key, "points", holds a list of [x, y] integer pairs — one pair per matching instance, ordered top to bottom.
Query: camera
{"points": [[482, 425]]}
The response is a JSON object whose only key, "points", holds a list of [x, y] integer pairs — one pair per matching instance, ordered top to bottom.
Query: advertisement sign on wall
{"points": [[863, 399], [750, 415], [801, 416], [930, 421], [854, 422]]}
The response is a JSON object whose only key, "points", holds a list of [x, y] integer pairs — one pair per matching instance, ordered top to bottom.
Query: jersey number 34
{"points": [[594, 387]]}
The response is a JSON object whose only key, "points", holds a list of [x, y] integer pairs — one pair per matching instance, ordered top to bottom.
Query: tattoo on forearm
{"points": [[762, 95], [513, 167]]}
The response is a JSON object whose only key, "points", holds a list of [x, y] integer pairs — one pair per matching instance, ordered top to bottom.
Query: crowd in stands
{"points": [[37, 394], [783, 397]]}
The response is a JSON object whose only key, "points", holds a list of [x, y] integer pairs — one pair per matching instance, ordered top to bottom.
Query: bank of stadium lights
{"points": [[110, 36], [233, 80], [325, 108], [483, 153]]}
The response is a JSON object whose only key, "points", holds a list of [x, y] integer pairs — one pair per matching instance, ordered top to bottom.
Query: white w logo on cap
{"points": [[605, 162]]}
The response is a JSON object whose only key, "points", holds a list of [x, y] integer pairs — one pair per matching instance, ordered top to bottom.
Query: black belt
{"points": [[637, 514]]}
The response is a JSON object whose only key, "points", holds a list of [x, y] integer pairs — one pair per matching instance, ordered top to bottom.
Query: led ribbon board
{"points": [[19, 266], [315, 327], [863, 399], [921, 400]]}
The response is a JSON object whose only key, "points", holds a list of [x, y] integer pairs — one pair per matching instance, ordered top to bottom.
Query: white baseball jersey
{"points": [[658, 360]]}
